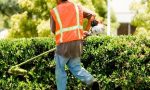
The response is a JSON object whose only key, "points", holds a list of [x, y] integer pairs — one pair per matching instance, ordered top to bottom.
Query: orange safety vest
{"points": [[68, 19]]}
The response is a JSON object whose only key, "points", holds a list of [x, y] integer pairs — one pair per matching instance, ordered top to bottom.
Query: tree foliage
{"points": [[100, 6], [9, 7], [30, 18], [142, 18], [30, 23], [23, 26]]}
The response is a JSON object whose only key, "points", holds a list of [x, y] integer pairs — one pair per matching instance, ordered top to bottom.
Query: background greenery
{"points": [[142, 17], [30, 18], [117, 62]]}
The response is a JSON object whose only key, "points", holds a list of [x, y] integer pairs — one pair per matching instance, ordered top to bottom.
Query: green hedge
{"points": [[121, 62]]}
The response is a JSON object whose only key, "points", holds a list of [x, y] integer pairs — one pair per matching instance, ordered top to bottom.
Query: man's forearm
{"points": [[89, 22], [52, 24]]}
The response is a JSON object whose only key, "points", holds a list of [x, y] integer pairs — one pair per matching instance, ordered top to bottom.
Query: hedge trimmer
{"points": [[96, 28], [16, 70]]}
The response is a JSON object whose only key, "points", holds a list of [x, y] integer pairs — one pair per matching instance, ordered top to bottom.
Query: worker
{"points": [[66, 22]]}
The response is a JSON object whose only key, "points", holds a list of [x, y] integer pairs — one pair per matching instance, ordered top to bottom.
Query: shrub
{"points": [[121, 62]]}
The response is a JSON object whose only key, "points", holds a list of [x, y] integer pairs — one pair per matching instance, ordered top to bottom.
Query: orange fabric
{"points": [[67, 13]]}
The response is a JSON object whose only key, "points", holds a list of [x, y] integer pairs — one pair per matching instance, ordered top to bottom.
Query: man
{"points": [[67, 25]]}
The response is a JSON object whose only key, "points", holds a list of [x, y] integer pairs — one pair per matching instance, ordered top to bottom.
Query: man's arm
{"points": [[89, 15], [52, 24]]}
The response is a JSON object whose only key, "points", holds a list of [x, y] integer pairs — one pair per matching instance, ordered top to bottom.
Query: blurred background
{"points": [[30, 18]]}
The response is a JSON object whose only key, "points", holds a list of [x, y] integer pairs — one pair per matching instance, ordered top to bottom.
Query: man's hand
{"points": [[85, 34]]}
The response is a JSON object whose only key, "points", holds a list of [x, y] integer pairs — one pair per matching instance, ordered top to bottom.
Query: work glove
{"points": [[85, 34]]}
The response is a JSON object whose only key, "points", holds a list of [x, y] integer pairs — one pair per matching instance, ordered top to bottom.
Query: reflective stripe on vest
{"points": [[78, 21], [60, 24], [76, 27], [69, 29]]}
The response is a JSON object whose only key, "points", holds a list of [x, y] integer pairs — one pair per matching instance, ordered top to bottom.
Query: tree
{"points": [[101, 7], [7, 9], [142, 18], [33, 20], [30, 23]]}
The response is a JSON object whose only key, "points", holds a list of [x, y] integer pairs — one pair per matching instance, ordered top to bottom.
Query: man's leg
{"points": [[74, 65], [61, 76]]}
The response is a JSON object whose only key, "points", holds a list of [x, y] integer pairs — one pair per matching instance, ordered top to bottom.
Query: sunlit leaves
{"points": [[142, 18], [22, 26], [43, 28]]}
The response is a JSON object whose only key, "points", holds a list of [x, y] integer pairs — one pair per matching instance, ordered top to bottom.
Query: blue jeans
{"points": [[75, 68]]}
